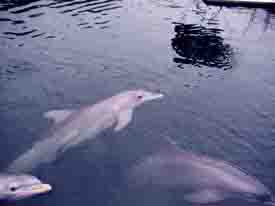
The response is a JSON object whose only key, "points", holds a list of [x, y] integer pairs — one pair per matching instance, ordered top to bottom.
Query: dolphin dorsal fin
{"points": [[58, 115], [123, 119]]}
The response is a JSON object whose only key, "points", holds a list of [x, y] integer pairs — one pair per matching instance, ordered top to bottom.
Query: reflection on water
{"points": [[25, 12], [267, 19], [201, 46]]}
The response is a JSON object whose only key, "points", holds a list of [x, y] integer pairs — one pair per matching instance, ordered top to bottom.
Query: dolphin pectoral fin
{"points": [[58, 115], [124, 118], [69, 141], [66, 147], [204, 196]]}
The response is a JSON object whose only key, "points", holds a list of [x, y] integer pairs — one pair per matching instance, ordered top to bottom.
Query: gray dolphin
{"points": [[75, 126], [199, 179], [16, 187]]}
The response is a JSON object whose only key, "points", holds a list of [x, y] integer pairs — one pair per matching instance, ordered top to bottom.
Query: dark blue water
{"points": [[215, 65]]}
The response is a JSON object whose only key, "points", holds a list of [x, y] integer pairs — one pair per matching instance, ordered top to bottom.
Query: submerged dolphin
{"points": [[75, 126], [199, 179], [16, 187]]}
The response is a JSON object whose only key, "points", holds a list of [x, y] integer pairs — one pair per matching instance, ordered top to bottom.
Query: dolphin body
{"points": [[75, 126], [199, 179], [16, 187]]}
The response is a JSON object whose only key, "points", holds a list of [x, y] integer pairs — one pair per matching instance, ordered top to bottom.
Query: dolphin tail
{"points": [[41, 152], [24, 163]]}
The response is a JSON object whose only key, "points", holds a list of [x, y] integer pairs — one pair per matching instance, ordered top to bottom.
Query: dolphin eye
{"points": [[139, 96], [13, 188]]}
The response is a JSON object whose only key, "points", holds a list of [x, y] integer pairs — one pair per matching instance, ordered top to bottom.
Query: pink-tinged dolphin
{"points": [[75, 126], [198, 178], [20, 186]]}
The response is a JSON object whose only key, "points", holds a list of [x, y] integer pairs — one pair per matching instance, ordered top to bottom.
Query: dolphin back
{"points": [[201, 179]]}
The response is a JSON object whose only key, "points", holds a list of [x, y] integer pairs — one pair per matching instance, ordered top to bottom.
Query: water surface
{"points": [[215, 66]]}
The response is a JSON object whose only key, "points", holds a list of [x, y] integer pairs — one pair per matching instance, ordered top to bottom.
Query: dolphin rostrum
{"points": [[75, 126], [199, 179], [16, 187]]}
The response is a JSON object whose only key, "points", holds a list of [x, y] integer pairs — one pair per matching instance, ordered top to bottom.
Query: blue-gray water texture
{"points": [[215, 65]]}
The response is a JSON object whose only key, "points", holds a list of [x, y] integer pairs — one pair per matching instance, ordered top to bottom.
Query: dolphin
{"points": [[77, 125], [199, 179], [20, 186]]}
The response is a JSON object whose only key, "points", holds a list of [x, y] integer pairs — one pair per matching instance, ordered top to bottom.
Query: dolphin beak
{"points": [[153, 97], [41, 188], [33, 190]]}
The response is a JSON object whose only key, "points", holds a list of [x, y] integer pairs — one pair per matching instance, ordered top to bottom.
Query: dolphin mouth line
{"points": [[154, 96]]}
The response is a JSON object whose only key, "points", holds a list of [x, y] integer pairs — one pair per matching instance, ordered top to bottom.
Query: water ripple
{"points": [[6, 4], [70, 4], [84, 6], [92, 6], [30, 8], [18, 13], [36, 15], [5, 19], [14, 22], [18, 22], [102, 22], [87, 27], [20, 33], [38, 35]]}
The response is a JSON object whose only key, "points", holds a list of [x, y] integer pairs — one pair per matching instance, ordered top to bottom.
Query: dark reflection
{"points": [[265, 16], [201, 46], [9, 72]]}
